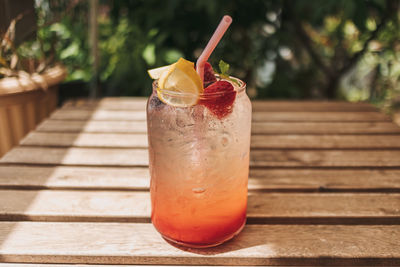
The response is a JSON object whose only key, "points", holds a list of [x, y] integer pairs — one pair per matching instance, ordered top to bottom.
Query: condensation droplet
{"points": [[224, 141], [198, 190]]}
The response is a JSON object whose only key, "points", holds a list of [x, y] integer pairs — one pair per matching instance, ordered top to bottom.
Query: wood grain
{"points": [[23, 98], [112, 103], [139, 103], [314, 106], [15, 113], [30, 115], [105, 115], [318, 116], [396, 118], [94, 126], [257, 127], [324, 128], [6, 139], [86, 140], [257, 141], [326, 141], [77, 156], [258, 158], [324, 158], [66, 177], [109, 178], [378, 180], [76, 191], [48, 205], [105, 206], [136, 243]]}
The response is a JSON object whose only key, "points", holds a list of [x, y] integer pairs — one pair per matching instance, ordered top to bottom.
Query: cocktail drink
{"points": [[199, 140], [199, 166]]}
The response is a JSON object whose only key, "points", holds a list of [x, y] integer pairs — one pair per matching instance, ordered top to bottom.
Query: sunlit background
{"points": [[335, 49]]}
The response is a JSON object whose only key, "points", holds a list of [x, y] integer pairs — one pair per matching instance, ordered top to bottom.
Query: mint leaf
{"points": [[224, 68]]}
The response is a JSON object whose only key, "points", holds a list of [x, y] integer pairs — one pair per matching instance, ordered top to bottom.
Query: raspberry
{"points": [[209, 76], [219, 98]]}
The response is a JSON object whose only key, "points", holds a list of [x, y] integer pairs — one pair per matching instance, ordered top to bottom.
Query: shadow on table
{"points": [[247, 238]]}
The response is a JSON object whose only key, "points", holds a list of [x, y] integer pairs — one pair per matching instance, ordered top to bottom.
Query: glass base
{"points": [[194, 245]]}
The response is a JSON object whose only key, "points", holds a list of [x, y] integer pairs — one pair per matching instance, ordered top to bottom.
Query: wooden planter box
{"points": [[24, 103]]}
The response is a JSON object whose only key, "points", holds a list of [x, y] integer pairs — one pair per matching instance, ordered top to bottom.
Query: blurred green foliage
{"points": [[67, 35], [281, 48]]}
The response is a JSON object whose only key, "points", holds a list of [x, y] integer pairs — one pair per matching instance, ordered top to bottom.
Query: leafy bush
{"points": [[281, 48]]}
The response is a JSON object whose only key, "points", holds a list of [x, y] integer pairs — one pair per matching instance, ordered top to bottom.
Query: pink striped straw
{"points": [[215, 38]]}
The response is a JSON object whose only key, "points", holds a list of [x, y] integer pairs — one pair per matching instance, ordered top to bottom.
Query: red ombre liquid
{"points": [[198, 220], [202, 233]]}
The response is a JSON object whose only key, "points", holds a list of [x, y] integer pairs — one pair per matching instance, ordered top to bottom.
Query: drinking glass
{"points": [[199, 166]]}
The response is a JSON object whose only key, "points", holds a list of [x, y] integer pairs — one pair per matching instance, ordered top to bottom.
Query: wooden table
{"points": [[324, 189]]}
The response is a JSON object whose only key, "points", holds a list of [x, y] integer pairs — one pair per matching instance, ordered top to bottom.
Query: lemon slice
{"points": [[156, 73], [180, 85]]}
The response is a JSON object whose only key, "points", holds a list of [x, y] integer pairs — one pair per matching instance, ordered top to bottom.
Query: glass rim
{"points": [[239, 88]]}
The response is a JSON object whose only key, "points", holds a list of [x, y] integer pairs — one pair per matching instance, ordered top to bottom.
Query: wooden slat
{"points": [[53, 98], [20, 99], [120, 103], [140, 104], [315, 106], [43, 111], [83, 114], [15, 115], [30, 115], [138, 115], [319, 116], [396, 118], [95, 126], [257, 127], [324, 128], [6, 139], [86, 140], [257, 141], [326, 141], [77, 156], [258, 158], [324, 158], [74, 177], [100, 178], [325, 179], [48, 205], [126, 243]]}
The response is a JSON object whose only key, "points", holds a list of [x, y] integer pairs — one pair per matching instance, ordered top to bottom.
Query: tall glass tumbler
{"points": [[199, 167]]}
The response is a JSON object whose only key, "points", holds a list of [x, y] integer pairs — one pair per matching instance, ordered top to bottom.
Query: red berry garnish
{"points": [[209, 76], [219, 98]]}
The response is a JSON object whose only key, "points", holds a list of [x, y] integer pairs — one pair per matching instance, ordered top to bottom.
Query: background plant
{"points": [[282, 49]]}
